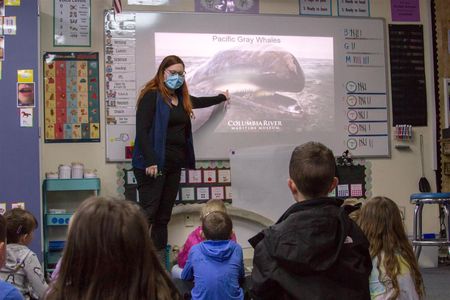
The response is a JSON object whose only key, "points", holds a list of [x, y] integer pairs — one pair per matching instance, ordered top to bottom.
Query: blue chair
{"points": [[428, 198]]}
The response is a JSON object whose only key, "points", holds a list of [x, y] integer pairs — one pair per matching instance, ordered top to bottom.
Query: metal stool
{"points": [[429, 198]]}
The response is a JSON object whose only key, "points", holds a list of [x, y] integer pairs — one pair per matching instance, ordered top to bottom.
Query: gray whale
{"points": [[256, 77]]}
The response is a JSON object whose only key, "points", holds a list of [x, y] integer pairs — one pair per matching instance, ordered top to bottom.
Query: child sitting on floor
{"points": [[196, 236], [216, 265], [22, 267], [395, 273], [7, 291]]}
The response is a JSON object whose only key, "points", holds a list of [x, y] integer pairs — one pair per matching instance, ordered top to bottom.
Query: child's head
{"points": [[312, 170], [212, 205], [381, 222], [20, 226], [217, 226], [2, 240], [108, 248]]}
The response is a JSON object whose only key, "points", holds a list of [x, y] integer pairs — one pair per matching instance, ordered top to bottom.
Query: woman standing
{"points": [[164, 144]]}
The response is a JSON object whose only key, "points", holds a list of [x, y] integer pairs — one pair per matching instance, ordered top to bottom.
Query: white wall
{"points": [[396, 177]]}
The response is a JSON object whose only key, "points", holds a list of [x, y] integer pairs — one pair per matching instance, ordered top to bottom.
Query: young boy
{"points": [[314, 251], [216, 265], [7, 291]]}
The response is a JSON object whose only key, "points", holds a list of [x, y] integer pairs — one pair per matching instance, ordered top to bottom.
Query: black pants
{"points": [[157, 197]]}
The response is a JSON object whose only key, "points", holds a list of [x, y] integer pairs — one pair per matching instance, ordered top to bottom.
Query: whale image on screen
{"points": [[277, 83]]}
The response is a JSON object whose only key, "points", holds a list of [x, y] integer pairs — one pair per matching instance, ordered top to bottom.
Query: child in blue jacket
{"points": [[216, 265]]}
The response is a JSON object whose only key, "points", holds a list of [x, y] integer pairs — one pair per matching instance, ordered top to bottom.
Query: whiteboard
{"points": [[292, 79]]}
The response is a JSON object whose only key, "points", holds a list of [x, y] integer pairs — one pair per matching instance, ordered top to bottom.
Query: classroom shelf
{"points": [[84, 184], [61, 197]]}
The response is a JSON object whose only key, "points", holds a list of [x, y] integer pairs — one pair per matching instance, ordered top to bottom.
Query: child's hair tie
{"points": [[19, 229]]}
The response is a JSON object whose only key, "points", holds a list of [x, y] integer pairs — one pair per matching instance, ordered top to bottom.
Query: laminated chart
{"points": [[120, 85], [71, 97]]}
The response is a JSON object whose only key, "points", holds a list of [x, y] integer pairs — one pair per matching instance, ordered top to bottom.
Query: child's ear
{"points": [[333, 185], [293, 187], [202, 235], [25, 238], [2, 253]]}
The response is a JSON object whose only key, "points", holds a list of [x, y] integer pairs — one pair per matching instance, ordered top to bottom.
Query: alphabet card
{"points": [[26, 117]]}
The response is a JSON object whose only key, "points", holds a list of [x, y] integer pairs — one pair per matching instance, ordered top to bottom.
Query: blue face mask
{"points": [[174, 81]]}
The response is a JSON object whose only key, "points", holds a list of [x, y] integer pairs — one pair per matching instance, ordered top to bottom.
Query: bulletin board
{"points": [[291, 78], [71, 97], [20, 146], [196, 186]]}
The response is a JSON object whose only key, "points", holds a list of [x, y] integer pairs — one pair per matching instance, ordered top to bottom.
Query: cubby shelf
{"points": [[61, 197]]}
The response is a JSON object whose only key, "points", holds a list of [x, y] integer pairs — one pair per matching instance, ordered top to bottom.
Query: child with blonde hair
{"points": [[196, 236], [22, 268], [395, 273]]}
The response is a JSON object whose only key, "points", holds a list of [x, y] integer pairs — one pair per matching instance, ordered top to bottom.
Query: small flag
{"points": [[117, 4]]}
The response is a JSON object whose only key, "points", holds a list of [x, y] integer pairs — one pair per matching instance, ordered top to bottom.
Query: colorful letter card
{"points": [[26, 117], [183, 176], [195, 176], [209, 176], [224, 176], [343, 190], [356, 190], [217, 192], [203, 193], [187, 194], [228, 194]]}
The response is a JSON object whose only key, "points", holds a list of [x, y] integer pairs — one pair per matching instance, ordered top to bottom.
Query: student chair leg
{"points": [[447, 216], [417, 230]]}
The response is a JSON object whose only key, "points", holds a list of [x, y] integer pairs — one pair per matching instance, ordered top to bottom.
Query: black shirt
{"points": [[144, 119], [176, 137]]}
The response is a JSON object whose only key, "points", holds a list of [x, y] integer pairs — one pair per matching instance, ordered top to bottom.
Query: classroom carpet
{"points": [[437, 282]]}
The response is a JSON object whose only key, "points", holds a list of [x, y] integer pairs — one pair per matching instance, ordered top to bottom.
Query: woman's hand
{"points": [[226, 94], [227, 101], [152, 171]]}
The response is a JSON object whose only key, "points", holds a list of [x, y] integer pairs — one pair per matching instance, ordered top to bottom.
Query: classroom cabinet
{"points": [[61, 197]]}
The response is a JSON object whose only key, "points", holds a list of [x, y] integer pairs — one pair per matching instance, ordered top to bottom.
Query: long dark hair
{"points": [[157, 83], [109, 255]]}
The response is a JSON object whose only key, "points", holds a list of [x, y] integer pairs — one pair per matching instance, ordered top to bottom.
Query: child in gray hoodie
{"points": [[22, 268]]}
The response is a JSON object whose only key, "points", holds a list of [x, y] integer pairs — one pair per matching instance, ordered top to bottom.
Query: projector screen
{"points": [[265, 76], [292, 79]]}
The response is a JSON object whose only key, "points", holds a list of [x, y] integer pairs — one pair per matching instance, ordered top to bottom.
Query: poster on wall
{"points": [[227, 6], [317, 8], [353, 8], [405, 10], [72, 23], [2, 48], [120, 82], [71, 97]]}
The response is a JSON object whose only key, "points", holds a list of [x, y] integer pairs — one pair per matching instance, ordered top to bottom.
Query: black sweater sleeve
{"points": [[201, 102], [144, 121]]}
